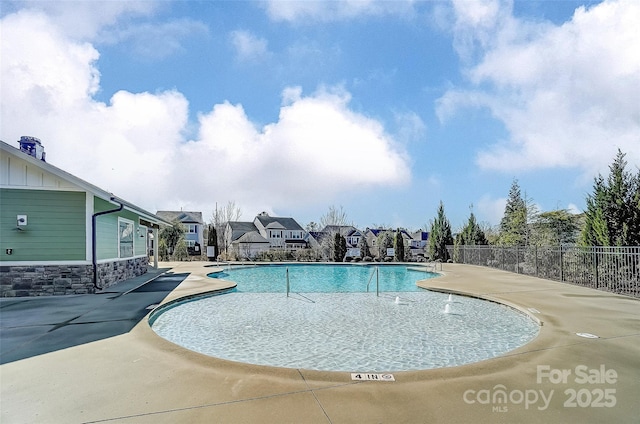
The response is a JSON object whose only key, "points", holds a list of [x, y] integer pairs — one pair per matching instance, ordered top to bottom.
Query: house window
{"points": [[191, 228], [125, 238], [191, 243]]}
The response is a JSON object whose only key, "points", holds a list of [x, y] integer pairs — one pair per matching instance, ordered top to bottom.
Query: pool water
{"points": [[324, 278], [347, 331]]}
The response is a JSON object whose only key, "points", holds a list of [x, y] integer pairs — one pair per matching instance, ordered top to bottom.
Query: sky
{"points": [[380, 108]]}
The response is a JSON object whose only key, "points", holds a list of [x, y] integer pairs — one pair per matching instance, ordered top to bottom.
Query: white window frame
{"points": [[130, 233]]}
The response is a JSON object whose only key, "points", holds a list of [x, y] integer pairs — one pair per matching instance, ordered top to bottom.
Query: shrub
{"points": [[163, 252], [180, 253]]}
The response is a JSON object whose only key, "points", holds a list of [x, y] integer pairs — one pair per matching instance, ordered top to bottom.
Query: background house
{"points": [[193, 228], [284, 233], [351, 234], [371, 234], [62, 235], [244, 239], [248, 239], [418, 246], [414, 247]]}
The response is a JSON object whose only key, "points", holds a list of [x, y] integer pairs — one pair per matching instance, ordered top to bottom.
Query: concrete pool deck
{"points": [[138, 377]]}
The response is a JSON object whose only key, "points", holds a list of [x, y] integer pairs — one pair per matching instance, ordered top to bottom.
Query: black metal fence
{"points": [[614, 269]]}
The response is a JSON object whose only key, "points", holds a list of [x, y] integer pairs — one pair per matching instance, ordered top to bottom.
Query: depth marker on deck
{"points": [[358, 376]]}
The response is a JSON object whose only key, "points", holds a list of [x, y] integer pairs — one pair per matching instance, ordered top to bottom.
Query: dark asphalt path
{"points": [[31, 326]]}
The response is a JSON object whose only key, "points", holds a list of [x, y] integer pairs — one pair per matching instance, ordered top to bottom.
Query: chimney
{"points": [[32, 146]]}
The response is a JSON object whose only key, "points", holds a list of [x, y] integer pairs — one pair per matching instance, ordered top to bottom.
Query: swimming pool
{"points": [[321, 278], [401, 330]]}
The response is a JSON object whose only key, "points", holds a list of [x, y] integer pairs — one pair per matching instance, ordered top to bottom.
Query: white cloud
{"points": [[335, 10], [476, 14], [86, 19], [117, 22], [475, 23], [154, 40], [248, 46], [308, 56], [48, 81], [48, 84], [566, 94], [291, 95], [411, 127], [134, 145], [317, 149], [573, 209], [490, 210]]}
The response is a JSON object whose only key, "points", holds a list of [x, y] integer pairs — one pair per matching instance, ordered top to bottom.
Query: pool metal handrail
{"points": [[375, 271], [288, 283]]}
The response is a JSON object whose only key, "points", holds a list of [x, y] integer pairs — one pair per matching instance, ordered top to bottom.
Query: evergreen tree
{"points": [[612, 217], [513, 225], [634, 225], [555, 228], [472, 234], [172, 235], [440, 236], [212, 239], [384, 241], [399, 246], [364, 247], [339, 248], [163, 252], [180, 252]]}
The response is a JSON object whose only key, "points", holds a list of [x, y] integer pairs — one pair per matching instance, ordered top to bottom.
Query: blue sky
{"points": [[290, 107]]}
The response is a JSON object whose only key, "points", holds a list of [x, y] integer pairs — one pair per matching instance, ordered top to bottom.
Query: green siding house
{"points": [[62, 235]]}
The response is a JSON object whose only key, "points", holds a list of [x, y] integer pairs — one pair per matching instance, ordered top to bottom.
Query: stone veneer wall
{"points": [[111, 273], [54, 280]]}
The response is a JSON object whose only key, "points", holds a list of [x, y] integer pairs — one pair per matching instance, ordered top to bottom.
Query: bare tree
{"points": [[533, 212], [334, 216], [219, 219], [331, 221], [491, 232], [246, 251]]}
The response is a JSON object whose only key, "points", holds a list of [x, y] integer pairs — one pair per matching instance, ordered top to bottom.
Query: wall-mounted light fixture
{"points": [[21, 221]]}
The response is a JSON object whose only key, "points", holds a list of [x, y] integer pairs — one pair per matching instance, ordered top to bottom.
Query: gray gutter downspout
{"points": [[94, 259]]}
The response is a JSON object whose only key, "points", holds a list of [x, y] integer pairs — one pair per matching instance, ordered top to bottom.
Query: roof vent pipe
{"points": [[32, 146]]}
